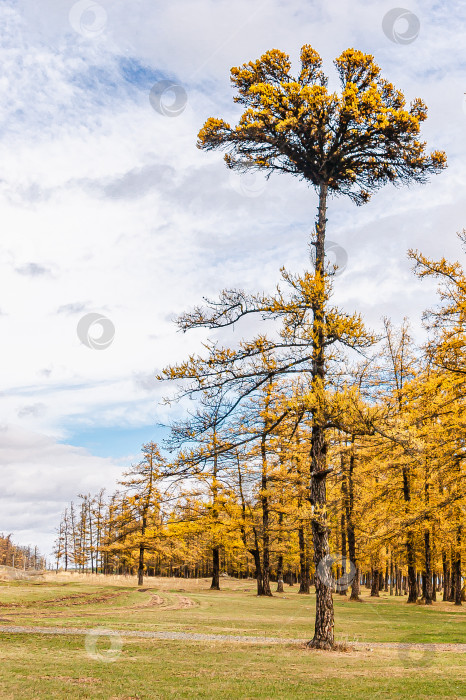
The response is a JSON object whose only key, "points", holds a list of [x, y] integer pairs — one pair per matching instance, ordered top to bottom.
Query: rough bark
{"points": [[348, 490], [265, 524], [141, 546], [344, 552], [280, 556], [141, 565], [451, 567], [457, 568], [258, 573], [427, 577], [411, 580], [304, 581], [375, 583], [412, 583], [215, 585], [324, 624]]}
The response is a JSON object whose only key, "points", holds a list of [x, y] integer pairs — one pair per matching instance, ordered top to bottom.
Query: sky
{"points": [[113, 222]]}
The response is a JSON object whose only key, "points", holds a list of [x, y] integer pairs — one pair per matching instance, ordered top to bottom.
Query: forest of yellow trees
{"points": [[234, 499]]}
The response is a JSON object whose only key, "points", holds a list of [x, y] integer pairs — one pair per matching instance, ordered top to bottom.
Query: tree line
{"points": [[396, 497], [20, 557]]}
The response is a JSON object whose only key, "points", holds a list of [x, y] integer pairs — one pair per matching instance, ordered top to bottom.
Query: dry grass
{"points": [[8, 573]]}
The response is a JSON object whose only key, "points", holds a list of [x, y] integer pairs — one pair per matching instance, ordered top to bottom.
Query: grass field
{"points": [[79, 666]]}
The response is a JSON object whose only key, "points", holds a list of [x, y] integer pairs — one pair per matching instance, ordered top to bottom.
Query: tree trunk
{"points": [[348, 490], [265, 524], [91, 543], [142, 548], [344, 552], [280, 556], [257, 562], [141, 565], [451, 567], [457, 568], [266, 574], [280, 574], [446, 577], [434, 580], [412, 582], [304, 583], [375, 584], [427, 584], [215, 585], [324, 624]]}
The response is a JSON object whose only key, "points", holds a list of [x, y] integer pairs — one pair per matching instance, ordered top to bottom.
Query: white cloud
{"points": [[38, 476]]}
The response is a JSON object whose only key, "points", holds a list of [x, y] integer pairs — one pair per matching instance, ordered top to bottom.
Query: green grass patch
{"points": [[192, 607], [44, 666], [60, 667]]}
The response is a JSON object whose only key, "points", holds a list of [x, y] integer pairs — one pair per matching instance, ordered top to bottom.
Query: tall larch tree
{"points": [[350, 143], [142, 482]]}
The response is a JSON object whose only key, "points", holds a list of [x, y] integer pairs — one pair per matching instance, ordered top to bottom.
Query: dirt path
{"points": [[78, 599], [163, 603], [198, 637]]}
